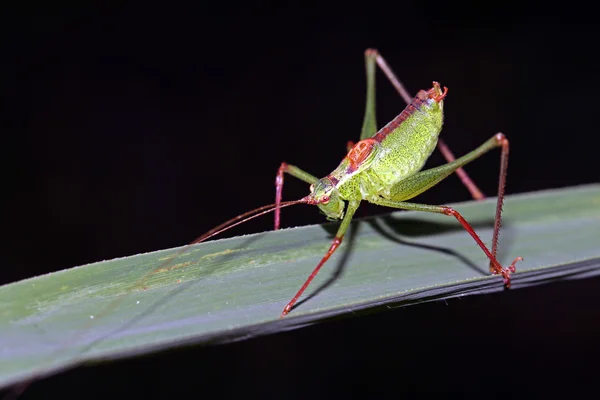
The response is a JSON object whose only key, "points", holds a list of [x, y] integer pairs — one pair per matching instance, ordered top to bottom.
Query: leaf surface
{"points": [[232, 289]]}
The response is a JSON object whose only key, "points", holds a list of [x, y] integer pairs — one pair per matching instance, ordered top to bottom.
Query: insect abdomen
{"points": [[408, 140]]}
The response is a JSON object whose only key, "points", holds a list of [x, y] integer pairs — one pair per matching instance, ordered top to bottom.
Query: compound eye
{"points": [[312, 188], [325, 200]]}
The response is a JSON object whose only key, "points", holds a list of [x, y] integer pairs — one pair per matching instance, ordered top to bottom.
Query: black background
{"points": [[135, 128]]}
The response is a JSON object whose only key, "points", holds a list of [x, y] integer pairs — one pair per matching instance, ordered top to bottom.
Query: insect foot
{"points": [[495, 266], [507, 271]]}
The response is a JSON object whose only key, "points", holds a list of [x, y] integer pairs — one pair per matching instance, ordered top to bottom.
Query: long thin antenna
{"points": [[244, 218]]}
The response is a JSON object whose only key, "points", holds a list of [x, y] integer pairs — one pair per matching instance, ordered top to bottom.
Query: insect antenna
{"points": [[247, 216]]}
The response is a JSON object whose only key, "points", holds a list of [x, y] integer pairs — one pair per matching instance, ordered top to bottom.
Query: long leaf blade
{"points": [[235, 288]]}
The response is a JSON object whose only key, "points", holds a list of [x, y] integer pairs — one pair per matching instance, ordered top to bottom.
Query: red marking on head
{"points": [[359, 153]]}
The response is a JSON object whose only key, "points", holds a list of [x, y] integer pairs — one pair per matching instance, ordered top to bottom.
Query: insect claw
{"points": [[509, 270]]}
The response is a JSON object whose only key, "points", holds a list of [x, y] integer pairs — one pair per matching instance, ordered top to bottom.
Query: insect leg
{"points": [[369, 127], [294, 171], [464, 177], [418, 183], [339, 236], [495, 265]]}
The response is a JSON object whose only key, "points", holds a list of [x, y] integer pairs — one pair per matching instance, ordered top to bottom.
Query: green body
{"points": [[398, 151], [400, 154]]}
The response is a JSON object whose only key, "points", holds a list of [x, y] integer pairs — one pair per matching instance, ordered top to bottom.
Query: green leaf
{"points": [[232, 289]]}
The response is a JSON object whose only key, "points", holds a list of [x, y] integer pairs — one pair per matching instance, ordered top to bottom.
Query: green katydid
{"points": [[383, 168]]}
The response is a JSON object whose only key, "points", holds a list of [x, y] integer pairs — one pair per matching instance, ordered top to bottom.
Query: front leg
{"points": [[294, 171], [339, 236]]}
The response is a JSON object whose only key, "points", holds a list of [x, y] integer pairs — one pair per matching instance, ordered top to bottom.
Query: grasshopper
{"points": [[384, 168]]}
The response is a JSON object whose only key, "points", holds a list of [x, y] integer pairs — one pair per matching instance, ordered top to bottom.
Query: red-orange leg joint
{"points": [[371, 52], [501, 139]]}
